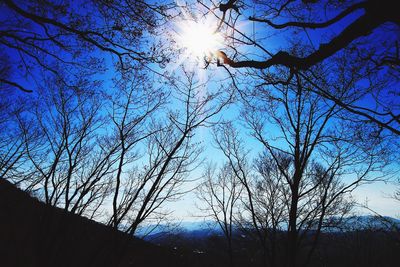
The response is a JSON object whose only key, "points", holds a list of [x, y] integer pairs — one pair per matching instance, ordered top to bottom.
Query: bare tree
{"points": [[364, 32], [77, 35], [133, 106], [59, 137], [229, 142], [12, 151], [170, 154], [135, 158], [312, 162], [220, 193]]}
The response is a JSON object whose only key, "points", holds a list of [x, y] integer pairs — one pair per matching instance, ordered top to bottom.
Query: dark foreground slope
{"points": [[34, 234]]}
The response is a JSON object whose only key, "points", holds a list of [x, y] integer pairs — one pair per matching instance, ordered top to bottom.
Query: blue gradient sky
{"points": [[185, 209]]}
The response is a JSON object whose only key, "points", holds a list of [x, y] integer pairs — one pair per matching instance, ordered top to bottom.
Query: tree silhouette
{"points": [[365, 32], [77, 35], [312, 161], [221, 191]]}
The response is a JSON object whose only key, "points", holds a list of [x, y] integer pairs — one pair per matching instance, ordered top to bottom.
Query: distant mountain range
{"points": [[366, 222], [194, 229], [201, 229]]}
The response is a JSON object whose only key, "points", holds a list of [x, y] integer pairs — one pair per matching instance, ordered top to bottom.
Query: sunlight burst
{"points": [[199, 39]]}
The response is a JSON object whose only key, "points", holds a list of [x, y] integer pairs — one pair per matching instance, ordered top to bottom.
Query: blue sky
{"points": [[376, 195], [185, 209]]}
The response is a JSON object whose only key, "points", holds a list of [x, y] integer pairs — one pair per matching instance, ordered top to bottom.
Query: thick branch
{"points": [[229, 5], [312, 25], [363, 26], [20, 87]]}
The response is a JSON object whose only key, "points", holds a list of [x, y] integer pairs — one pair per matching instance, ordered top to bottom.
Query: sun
{"points": [[199, 39]]}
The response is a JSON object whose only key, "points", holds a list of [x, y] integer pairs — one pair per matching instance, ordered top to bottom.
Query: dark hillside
{"points": [[34, 234]]}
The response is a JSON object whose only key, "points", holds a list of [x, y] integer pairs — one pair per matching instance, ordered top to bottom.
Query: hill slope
{"points": [[35, 234]]}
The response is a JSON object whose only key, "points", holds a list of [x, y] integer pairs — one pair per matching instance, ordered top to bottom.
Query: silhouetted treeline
{"points": [[366, 247]]}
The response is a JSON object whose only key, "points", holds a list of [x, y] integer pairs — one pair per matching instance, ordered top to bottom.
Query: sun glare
{"points": [[199, 39]]}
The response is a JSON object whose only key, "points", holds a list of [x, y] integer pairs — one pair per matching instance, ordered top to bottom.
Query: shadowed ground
{"points": [[34, 234]]}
